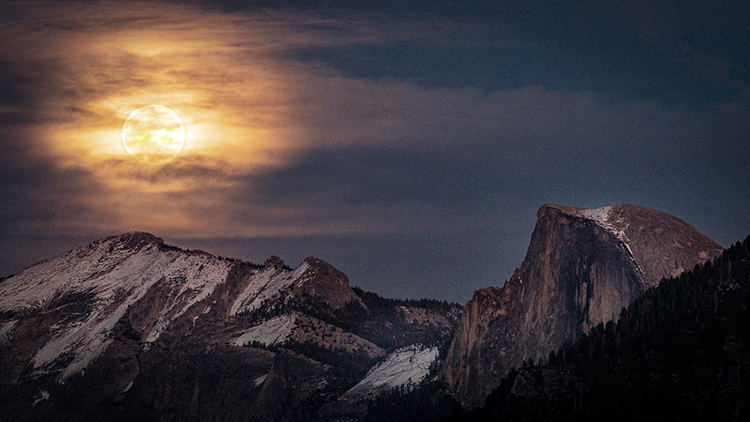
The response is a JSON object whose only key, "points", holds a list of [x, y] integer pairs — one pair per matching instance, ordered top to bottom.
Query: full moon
{"points": [[153, 134]]}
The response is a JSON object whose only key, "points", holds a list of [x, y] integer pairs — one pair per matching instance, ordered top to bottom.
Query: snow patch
{"points": [[601, 216], [196, 281], [265, 286], [5, 329], [272, 332], [405, 366], [260, 380], [42, 396]]}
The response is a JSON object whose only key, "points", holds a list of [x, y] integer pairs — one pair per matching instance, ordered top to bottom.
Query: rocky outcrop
{"points": [[582, 267], [323, 287]]}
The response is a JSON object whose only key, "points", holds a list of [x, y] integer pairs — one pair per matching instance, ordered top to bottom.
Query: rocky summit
{"points": [[582, 267], [129, 328]]}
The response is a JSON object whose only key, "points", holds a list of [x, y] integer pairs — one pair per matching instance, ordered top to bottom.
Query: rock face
{"points": [[582, 267], [323, 286], [131, 328]]}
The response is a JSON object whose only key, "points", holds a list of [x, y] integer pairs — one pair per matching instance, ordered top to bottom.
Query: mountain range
{"points": [[130, 327]]}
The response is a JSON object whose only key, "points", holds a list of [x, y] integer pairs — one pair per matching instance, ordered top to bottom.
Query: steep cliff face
{"points": [[582, 267]]}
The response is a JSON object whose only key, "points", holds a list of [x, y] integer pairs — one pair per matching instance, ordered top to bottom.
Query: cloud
{"points": [[279, 144], [396, 145]]}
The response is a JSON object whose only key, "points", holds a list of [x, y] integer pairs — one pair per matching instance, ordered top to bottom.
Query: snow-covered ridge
{"points": [[112, 274], [194, 278], [265, 286], [304, 329], [274, 331], [406, 366]]}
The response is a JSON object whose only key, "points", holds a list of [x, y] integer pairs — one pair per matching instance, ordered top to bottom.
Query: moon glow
{"points": [[153, 134]]}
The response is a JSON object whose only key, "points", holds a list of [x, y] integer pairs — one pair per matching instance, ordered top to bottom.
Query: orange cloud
{"points": [[248, 107]]}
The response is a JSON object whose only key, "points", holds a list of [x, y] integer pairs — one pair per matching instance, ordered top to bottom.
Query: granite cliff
{"points": [[581, 268]]}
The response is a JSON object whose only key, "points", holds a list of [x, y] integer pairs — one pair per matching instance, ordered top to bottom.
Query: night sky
{"points": [[409, 144]]}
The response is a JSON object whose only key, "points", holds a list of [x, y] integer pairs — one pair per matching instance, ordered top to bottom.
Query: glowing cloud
{"points": [[249, 108]]}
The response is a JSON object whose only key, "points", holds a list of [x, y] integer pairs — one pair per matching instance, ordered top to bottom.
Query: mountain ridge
{"points": [[125, 320]]}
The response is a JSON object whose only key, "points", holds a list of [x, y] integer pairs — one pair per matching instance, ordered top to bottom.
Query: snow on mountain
{"points": [[601, 217], [639, 229], [108, 276], [193, 279], [265, 286], [85, 292], [126, 317], [5, 328], [304, 329], [274, 331], [405, 366], [260, 380]]}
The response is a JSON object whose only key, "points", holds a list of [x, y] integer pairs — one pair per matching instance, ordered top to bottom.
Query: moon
{"points": [[153, 134]]}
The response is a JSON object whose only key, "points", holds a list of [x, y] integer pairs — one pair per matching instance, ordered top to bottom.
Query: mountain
{"points": [[581, 268], [130, 327], [678, 353]]}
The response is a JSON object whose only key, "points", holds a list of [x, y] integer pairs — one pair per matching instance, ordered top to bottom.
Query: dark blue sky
{"points": [[419, 138]]}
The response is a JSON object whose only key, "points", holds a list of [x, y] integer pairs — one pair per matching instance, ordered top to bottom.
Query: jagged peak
{"points": [[317, 266]]}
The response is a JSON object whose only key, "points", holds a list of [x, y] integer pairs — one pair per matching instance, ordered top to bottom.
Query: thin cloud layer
{"points": [[246, 108], [349, 126]]}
